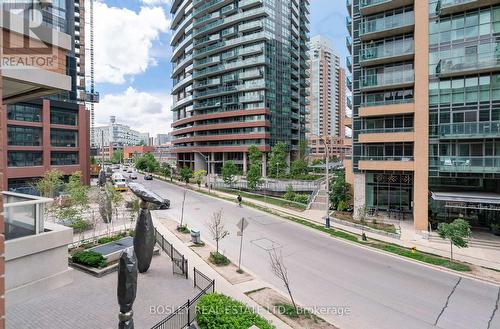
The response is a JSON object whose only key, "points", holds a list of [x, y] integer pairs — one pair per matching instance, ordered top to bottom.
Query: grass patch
{"points": [[267, 199], [183, 229], [198, 245], [426, 258], [218, 259], [240, 271]]}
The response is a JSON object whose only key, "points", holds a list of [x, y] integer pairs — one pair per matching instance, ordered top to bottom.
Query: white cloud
{"points": [[156, 2], [124, 40], [142, 111]]}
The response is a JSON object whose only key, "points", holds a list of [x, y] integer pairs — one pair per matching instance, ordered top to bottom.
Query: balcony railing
{"points": [[367, 3], [387, 23], [387, 50], [469, 63], [387, 79], [387, 102], [470, 129], [386, 130], [386, 158], [471, 164]]}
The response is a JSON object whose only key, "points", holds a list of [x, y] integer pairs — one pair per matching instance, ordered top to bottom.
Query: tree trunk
{"points": [[216, 247], [451, 250], [291, 297]]}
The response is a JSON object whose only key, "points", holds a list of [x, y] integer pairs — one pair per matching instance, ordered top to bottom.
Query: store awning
{"points": [[469, 197]]}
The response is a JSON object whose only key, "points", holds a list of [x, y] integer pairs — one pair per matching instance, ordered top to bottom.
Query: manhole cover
{"points": [[266, 244]]}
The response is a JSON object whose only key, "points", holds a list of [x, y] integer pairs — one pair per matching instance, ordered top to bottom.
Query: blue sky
{"points": [[132, 57]]}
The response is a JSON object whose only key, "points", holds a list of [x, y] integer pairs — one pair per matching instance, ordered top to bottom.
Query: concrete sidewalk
{"points": [[476, 255], [221, 284]]}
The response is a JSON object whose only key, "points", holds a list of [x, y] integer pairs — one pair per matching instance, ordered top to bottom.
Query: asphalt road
{"points": [[378, 291]]}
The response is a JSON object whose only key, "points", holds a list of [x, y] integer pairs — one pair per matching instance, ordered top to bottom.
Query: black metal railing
{"points": [[179, 262], [185, 315]]}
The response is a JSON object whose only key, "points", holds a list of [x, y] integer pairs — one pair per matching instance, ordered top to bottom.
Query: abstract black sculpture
{"points": [[101, 180], [144, 238], [127, 288]]}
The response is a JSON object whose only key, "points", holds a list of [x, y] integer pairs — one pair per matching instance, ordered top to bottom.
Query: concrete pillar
{"points": [[46, 135], [224, 157], [199, 162], [244, 162], [212, 164], [264, 164], [359, 192]]}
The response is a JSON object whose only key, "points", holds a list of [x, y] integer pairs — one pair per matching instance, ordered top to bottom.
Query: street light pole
{"points": [[327, 151]]}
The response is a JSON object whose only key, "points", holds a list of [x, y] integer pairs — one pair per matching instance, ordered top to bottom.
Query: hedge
{"points": [[89, 258], [217, 311]]}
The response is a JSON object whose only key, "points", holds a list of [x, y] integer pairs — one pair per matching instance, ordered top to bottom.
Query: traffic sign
{"points": [[242, 224]]}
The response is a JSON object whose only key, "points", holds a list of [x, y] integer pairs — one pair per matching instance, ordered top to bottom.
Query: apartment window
{"points": [[24, 112], [63, 117], [24, 136], [63, 138], [64, 158], [24, 159]]}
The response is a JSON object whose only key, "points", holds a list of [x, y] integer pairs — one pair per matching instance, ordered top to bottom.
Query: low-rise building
{"points": [[130, 153]]}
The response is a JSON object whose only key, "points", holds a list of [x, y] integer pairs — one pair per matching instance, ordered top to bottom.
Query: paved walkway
{"points": [[477, 255], [91, 302]]}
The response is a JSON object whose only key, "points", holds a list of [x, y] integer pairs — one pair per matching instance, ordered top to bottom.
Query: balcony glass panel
{"points": [[367, 3], [387, 23], [388, 49], [470, 61], [387, 78], [470, 129], [479, 164]]}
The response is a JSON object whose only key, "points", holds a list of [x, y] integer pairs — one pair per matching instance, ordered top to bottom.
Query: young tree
{"points": [[302, 149], [117, 157], [277, 161], [147, 162], [299, 168], [166, 170], [229, 171], [186, 174], [198, 175], [254, 176], [50, 183], [339, 190], [78, 192], [182, 208], [217, 229], [457, 232], [280, 271]]}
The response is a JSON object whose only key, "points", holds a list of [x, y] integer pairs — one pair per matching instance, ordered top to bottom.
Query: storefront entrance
{"points": [[389, 191]]}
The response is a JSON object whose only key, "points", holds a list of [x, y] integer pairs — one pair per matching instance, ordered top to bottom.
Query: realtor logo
{"points": [[27, 38]]}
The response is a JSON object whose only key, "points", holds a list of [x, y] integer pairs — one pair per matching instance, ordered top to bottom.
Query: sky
{"points": [[132, 51]]}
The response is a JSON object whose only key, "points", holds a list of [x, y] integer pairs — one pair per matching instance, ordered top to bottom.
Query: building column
{"points": [[46, 135], [83, 143], [421, 145], [199, 162], [244, 162], [264, 164], [212, 165], [359, 193]]}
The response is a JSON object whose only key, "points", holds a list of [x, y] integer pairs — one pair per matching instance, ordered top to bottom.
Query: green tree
{"points": [[302, 149], [254, 155], [117, 157], [93, 161], [277, 161], [147, 162], [299, 168], [166, 169], [229, 171], [186, 174], [198, 176], [254, 176], [50, 183], [339, 191], [78, 192], [457, 232]]}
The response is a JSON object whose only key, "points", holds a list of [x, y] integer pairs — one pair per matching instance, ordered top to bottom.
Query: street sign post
{"points": [[242, 224]]}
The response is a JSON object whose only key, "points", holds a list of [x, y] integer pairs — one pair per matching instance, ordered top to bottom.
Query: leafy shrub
{"points": [[290, 194], [301, 198], [341, 206], [80, 225], [183, 229], [112, 238], [89, 258], [218, 259], [216, 311]]}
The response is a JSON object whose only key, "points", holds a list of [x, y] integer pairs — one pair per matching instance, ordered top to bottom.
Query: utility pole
{"points": [[327, 218], [242, 224]]}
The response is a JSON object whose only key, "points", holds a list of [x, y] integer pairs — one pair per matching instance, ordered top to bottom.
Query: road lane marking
{"points": [[448, 300], [494, 310]]}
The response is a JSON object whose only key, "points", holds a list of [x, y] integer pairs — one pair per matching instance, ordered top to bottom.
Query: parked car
{"points": [[130, 170], [133, 175], [148, 177], [119, 182]]}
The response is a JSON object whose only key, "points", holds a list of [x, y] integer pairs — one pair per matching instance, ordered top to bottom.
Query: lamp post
{"points": [[207, 159], [327, 169]]}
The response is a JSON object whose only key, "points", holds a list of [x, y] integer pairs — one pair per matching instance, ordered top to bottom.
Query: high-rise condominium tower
{"points": [[239, 71], [426, 108]]}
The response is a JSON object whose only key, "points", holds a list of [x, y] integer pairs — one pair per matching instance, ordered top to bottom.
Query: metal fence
{"points": [[272, 185], [179, 262], [185, 315]]}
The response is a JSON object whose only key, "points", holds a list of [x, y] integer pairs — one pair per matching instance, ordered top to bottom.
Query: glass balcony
{"points": [[348, 5], [368, 7], [446, 7], [231, 19], [348, 22], [387, 26], [348, 43], [388, 52], [349, 63], [473, 63], [389, 79], [348, 81], [387, 102], [386, 130], [468, 130], [385, 158], [467, 164]]}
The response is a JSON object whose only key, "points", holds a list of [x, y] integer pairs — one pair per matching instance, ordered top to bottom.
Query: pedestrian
{"points": [[239, 200]]}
